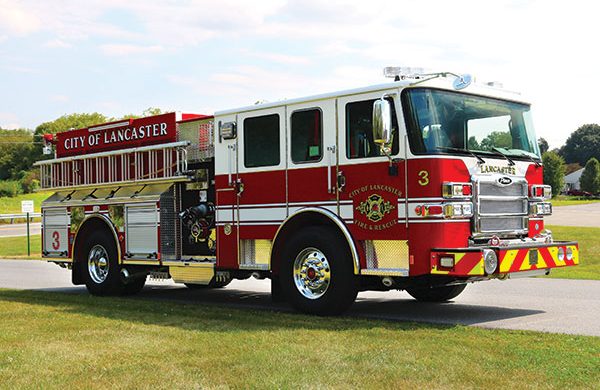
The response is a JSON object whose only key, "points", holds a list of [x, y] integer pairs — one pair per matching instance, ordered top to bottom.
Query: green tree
{"points": [[71, 121], [497, 139], [543, 144], [582, 144], [17, 153], [554, 171], [590, 178]]}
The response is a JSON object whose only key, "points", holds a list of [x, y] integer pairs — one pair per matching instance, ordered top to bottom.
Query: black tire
{"points": [[314, 245], [102, 284], [135, 285], [436, 294]]}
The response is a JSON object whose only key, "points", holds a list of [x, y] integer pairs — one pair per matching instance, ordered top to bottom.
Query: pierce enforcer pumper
{"points": [[424, 184]]}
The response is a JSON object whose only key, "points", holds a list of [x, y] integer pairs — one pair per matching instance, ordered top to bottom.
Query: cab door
{"points": [[312, 157], [261, 183], [372, 193]]}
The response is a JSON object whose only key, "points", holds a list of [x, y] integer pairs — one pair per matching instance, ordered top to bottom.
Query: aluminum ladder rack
{"points": [[145, 164]]}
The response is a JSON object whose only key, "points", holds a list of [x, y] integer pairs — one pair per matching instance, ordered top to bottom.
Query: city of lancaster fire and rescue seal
{"points": [[375, 208]]}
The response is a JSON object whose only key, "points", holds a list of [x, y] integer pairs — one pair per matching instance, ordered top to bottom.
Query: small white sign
{"points": [[27, 206]]}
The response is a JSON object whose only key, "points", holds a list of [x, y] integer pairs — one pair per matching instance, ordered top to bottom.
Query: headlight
{"points": [[540, 208], [458, 210], [569, 253], [561, 254], [490, 261]]}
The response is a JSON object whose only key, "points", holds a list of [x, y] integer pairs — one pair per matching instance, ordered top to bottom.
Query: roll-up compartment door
{"points": [[56, 228], [141, 230]]}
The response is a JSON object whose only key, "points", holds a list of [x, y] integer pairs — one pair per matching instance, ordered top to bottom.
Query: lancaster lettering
{"points": [[118, 135], [498, 169], [375, 187]]}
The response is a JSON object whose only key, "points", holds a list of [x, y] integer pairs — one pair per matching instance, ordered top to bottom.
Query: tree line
{"points": [[20, 148], [581, 150]]}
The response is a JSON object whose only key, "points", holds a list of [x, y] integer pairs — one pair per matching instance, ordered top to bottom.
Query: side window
{"points": [[359, 130], [307, 136], [261, 141]]}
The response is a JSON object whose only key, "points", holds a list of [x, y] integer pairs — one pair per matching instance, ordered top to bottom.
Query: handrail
{"points": [[114, 152]]}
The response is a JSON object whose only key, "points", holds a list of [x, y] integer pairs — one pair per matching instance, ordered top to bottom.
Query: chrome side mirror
{"points": [[382, 124]]}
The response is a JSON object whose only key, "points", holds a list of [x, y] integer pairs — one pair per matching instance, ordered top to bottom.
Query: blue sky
{"points": [[118, 57]]}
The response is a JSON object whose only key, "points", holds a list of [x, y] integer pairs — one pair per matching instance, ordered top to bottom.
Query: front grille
{"points": [[493, 206], [501, 209]]}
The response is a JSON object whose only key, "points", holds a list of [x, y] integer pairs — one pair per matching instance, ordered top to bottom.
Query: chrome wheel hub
{"points": [[98, 264], [312, 274]]}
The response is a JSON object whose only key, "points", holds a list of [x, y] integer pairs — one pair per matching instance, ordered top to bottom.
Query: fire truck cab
{"points": [[424, 184]]}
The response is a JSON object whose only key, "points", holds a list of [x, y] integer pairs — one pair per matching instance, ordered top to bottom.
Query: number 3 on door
{"points": [[424, 175]]}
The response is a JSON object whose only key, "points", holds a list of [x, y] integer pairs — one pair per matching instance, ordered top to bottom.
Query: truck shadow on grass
{"points": [[231, 303]]}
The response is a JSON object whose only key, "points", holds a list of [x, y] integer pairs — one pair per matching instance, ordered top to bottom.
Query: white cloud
{"points": [[15, 18], [57, 44], [127, 49], [59, 98], [9, 121]]}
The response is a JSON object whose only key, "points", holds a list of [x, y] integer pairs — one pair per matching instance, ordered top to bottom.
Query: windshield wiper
{"points": [[450, 149], [498, 151], [533, 160]]}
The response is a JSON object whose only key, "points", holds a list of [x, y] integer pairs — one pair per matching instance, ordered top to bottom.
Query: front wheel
{"points": [[317, 273], [436, 294]]}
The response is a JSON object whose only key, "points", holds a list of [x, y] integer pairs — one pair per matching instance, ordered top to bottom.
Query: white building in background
{"points": [[572, 180]]}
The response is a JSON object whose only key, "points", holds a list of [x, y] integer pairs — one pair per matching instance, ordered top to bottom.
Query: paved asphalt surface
{"points": [[578, 215], [20, 229], [548, 305]]}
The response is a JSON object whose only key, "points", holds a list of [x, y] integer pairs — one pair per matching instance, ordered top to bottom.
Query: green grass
{"points": [[563, 200], [13, 205], [16, 247], [589, 252], [52, 340]]}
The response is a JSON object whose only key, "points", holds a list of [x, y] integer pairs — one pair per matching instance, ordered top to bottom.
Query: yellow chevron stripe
{"points": [[509, 258]]}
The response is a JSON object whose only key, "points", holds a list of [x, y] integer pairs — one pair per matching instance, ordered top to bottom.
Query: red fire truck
{"points": [[424, 184]]}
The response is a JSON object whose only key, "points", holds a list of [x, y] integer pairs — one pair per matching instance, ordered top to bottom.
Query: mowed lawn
{"points": [[13, 205], [16, 247], [589, 252], [53, 340]]}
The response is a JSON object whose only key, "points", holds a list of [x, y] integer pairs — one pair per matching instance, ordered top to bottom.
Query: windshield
{"points": [[441, 120]]}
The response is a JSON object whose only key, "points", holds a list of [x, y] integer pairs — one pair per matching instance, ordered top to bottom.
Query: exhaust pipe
{"points": [[125, 274], [387, 281]]}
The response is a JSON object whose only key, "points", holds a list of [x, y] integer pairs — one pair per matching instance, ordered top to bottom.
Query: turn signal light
{"points": [[457, 190], [541, 192]]}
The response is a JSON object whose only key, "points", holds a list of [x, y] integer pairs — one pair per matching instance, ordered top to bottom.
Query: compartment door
{"points": [[55, 227], [141, 231]]}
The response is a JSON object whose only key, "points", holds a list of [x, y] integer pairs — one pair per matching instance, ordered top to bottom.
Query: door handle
{"points": [[330, 154], [230, 155], [341, 181]]}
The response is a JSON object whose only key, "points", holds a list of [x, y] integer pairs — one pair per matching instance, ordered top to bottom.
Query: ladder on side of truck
{"points": [[135, 165]]}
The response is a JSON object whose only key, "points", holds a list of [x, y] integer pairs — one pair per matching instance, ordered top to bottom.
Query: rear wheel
{"points": [[102, 266], [317, 274], [436, 294]]}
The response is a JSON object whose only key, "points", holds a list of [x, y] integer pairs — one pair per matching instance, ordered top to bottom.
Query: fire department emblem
{"points": [[375, 208]]}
